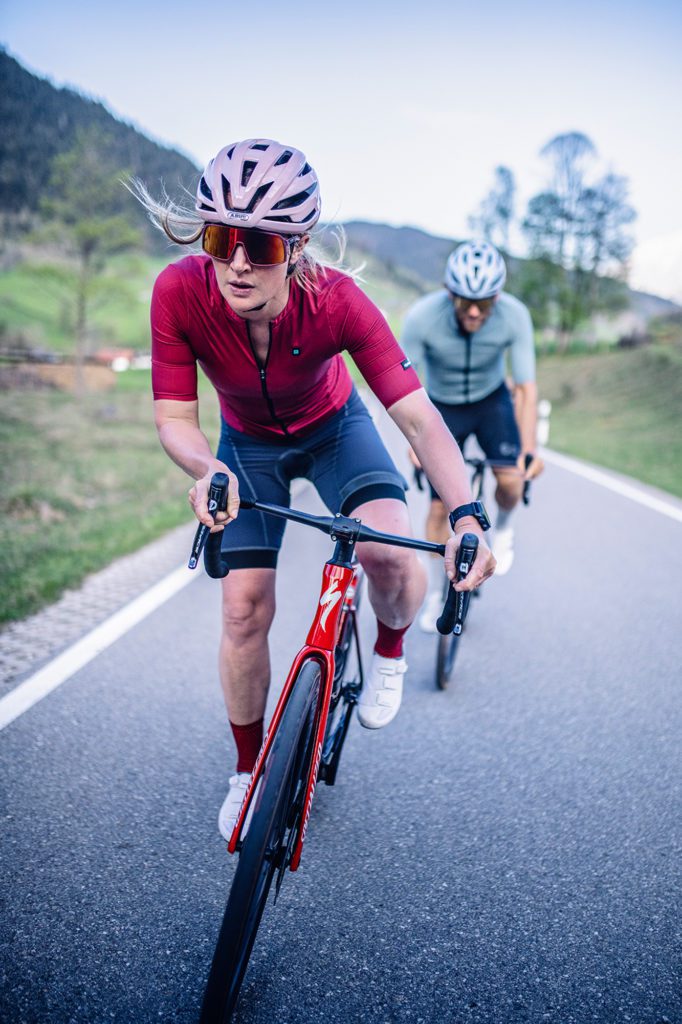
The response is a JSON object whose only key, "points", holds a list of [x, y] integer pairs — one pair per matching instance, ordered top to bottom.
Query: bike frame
{"points": [[337, 597]]}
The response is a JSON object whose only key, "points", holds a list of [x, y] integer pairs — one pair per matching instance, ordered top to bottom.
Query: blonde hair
{"points": [[183, 227]]}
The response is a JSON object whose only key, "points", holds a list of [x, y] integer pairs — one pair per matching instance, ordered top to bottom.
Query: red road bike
{"points": [[303, 742]]}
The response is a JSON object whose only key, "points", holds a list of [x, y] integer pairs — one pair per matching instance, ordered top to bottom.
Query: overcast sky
{"points": [[404, 109]]}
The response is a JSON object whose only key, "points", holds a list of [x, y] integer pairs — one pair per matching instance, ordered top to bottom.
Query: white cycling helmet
{"points": [[262, 184], [475, 270]]}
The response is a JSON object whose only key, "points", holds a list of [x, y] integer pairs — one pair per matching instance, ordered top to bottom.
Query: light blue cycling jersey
{"points": [[461, 367]]}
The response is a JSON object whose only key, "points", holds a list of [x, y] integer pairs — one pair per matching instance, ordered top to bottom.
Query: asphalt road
{"points": [[506, 851]]}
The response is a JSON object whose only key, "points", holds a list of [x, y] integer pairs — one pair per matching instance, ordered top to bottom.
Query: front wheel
{"points": [[448, 646], [445, 659], [270, 838]]}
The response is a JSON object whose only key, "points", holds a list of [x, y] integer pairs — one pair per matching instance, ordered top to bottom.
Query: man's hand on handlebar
{"points": [[531, 465], [198, 499]]}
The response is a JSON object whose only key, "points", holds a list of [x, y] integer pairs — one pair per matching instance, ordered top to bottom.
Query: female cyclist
{"points": [[268, 323]]}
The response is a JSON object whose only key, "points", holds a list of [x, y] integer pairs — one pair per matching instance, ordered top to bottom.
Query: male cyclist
{"points": [[459, 336]]}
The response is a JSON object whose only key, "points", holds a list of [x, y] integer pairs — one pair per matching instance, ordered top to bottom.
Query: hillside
{"points": [[38, 121], [417, 257], [619, 409]]}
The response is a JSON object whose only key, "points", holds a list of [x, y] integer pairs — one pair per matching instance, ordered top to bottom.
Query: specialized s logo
{"points": [[329, 600]]}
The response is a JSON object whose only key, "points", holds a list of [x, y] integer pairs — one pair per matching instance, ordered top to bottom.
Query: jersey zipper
{"points": [[262, 368], [467, 369]]}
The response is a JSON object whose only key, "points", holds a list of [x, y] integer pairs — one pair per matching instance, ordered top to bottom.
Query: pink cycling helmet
{"points": [[262, 184]]}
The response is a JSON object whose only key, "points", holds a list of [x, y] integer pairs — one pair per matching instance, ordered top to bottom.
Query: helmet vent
{"points": [[262, 146], [284, 158], [247, 171], [205, 190], [259, 194], [227, 199], [290, 201]]}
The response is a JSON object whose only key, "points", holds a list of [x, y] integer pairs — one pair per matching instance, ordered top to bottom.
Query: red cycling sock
{"points": [[389, 641], [248, 739]]}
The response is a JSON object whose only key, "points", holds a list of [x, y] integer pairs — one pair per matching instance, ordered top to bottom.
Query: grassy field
{"points": [[37, 304], [620, 409], [81, 483]]}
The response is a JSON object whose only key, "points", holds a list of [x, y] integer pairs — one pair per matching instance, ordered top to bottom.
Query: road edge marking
{"points": [[598, 476], [75, 657]]}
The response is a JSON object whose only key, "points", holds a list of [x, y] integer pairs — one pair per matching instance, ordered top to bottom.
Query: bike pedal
{"points": [[351, 692]]}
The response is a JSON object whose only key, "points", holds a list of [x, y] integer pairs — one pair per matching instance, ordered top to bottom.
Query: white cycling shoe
{"points": [[503, 550], [433, 606], [382, 693], [229, 812]]}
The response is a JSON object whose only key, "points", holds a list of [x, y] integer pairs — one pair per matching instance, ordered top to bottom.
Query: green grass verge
{"points": [[37, 304], [619, 409], [82, 483]]}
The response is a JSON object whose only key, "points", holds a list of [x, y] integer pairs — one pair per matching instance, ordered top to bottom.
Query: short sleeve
{"points": [[366, 336], [522, 350], [174, 369]]}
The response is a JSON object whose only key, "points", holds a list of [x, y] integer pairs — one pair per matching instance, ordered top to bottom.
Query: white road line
{"points": [[626, 490], [84, 650], [79, 654]]}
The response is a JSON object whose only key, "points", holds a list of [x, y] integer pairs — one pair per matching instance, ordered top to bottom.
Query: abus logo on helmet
{"points": [[239, 216]]}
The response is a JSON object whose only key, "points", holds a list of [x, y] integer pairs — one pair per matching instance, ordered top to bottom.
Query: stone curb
{"points": [[26, 645]]}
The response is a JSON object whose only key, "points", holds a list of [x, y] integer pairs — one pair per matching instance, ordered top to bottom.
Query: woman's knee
{"points": [[388, 515], [382, 562], [248, 603]]}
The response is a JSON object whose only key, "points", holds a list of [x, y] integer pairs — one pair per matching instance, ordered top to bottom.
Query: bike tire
{"points": [[446, 651], [445, 659], [264, 846]]}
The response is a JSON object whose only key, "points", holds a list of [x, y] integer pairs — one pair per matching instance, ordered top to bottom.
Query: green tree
{"points": [[81, 204], [495, 214], [579, 226]]}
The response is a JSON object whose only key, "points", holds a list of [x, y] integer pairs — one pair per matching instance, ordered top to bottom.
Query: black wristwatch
{"points": [[475, 509]]}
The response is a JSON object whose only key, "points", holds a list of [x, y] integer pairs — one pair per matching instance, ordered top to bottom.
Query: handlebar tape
{"points": [[526, 484], [217, 502]]}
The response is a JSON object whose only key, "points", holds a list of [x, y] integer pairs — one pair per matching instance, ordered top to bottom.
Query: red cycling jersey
{"points": [[304, 379]]}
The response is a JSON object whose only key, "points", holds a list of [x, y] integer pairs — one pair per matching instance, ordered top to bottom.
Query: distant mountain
{"points": [[38, 121], [402, 249], [416, 260]]}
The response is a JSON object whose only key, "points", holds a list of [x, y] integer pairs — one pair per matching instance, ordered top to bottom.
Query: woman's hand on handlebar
{"points": [[198, 499], [484, 564]]}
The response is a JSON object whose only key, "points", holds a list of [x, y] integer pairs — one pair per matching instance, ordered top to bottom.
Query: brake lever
{"points": [[526, 483], [217, 502], [457, 602]]}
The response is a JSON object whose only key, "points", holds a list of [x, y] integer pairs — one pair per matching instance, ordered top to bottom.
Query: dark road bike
{"points": [[448, 643], [304, 739]]}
